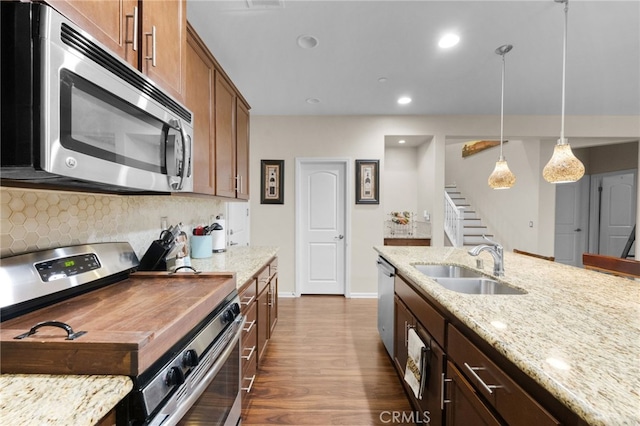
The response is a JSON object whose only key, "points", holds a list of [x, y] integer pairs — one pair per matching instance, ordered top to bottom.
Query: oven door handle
{"points": [[186, 404]]}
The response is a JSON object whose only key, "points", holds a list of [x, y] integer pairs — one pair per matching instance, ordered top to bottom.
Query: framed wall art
{"points": [[272, 182], [367, 182]]}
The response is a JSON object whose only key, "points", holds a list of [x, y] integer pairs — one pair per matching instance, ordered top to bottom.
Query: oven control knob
{"points": [[235, 308], [227, 316], [190, 358], [174, 377]]}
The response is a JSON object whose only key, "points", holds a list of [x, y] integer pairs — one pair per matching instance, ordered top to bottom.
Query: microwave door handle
{"points": [[185, 169]]}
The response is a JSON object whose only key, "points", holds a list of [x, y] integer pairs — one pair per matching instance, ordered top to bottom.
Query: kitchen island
{"points": [[576, 333], [85, 400]]}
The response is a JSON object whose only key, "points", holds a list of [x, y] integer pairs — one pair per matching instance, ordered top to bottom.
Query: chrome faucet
{"points": [[496, 251]]}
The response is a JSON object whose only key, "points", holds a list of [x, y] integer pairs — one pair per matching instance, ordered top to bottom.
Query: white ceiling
{"points": [[362, 41]]}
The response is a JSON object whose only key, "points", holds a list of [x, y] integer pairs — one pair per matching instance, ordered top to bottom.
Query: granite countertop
{"points": [[244, 261], [576, 332], [59, 400], [84, 400]]}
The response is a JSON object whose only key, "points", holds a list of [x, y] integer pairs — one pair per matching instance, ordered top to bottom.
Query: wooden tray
{"points": [[129, 325]]}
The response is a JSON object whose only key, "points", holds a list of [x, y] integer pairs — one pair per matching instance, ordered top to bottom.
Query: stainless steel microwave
{"points": [[75, 116]]}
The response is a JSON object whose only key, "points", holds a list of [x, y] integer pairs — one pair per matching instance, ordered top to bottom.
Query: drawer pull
{"points": [[248, 302], [251, 324], [251, 351], [472, 370], [442, 382], [248, 389]]}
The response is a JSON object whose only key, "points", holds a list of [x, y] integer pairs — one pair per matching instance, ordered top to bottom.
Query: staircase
{"points": [[472, 227]]}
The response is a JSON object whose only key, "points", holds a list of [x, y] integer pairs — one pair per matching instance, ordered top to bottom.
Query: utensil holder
{"points": [[201, 246]]}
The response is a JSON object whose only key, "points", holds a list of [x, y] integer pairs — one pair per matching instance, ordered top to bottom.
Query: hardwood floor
{"points": [[325, 365]]}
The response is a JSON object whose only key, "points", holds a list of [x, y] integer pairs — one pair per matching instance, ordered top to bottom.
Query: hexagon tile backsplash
{"points": [[33, 220]]}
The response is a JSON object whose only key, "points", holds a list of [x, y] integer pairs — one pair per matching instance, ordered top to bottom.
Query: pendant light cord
{"points": [[564, 67], [502, 111]]}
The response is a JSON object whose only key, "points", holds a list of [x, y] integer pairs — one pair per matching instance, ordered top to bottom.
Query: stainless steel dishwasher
{"points": [[386, 274]]}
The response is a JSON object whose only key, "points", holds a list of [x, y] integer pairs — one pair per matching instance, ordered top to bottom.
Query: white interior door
{"points": [[617, 212], [572, 221], [320, 223], [237, 224]]}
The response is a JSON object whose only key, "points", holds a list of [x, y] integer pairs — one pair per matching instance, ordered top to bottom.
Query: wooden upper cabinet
{"points": [[112, 23], [164, 43], [199, 92], [225, 122], [242, 150]]}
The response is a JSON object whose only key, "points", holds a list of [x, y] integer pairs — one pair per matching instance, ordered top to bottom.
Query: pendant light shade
{"points": [[563, 166], [501, 177]]}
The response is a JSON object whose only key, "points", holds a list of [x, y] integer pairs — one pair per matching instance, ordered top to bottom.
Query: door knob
{"points": [[577, 230], [339, 237]]}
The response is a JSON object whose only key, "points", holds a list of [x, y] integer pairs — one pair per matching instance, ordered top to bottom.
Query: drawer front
{"points": [[263, 279], [248, 295], [423, 311], [249, 330], [249, 346], [508, 399]]}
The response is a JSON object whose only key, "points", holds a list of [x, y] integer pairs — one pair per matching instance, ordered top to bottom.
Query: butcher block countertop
{"points": [[576, 332], [45, 399]]}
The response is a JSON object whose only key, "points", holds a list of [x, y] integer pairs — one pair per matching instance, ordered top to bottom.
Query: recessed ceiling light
{"points": [[448, 40], [307, 41], [382, 80], [313, 100], [404, 100], [401, 141]]}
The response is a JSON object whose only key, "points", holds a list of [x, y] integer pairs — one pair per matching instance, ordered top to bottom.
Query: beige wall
{"points": [[362, 137]]}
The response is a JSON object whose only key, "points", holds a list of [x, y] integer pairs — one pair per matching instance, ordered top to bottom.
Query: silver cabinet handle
{"points": [[133, 42], [152, 58], [231, 243], [248, 302], [251, 324], [251, 351], [472, 370], [248, 389], [443, 401]]}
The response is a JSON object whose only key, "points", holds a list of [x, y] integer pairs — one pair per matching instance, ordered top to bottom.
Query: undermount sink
{"points": [[448, 271], [465, 280], [477, 286]]}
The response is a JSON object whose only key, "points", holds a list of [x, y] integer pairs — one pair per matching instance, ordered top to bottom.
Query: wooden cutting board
{"points": [[129, 325]]}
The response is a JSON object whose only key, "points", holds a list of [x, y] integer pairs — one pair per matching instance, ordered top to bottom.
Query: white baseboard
{"points": [[287, 294], [363, 295]]}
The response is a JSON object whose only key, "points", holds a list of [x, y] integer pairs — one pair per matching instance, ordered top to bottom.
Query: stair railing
{"points": [[453, 221]]}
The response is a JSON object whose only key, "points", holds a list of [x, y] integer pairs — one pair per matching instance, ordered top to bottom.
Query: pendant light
{"points": [[563, 166], [501, 177]]}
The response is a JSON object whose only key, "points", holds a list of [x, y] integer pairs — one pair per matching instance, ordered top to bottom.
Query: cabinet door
{"points": [[112, 23], [164, 42], [198, 98], [225, 112], [242, 150], [403, 320], [263, 322], [432, 394], [465, 407]]}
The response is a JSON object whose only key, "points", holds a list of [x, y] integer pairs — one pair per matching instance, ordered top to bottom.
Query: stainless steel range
{"points": [[84, 310]]}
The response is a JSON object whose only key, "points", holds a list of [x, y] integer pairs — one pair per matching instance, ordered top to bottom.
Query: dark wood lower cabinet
{"points": [[465, 386], [463, 406], [428, 407]]}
